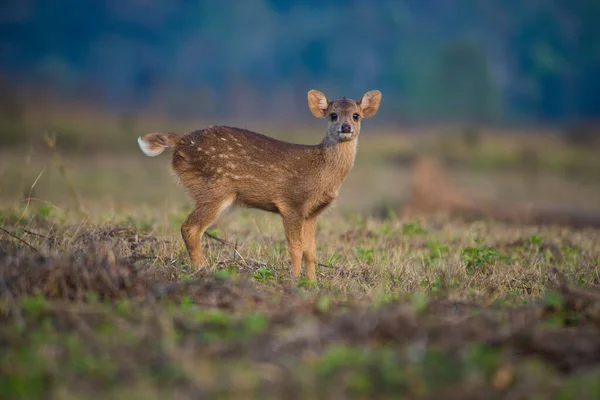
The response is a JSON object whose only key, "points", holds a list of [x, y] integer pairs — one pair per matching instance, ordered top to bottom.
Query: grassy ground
{"points": [[97, 299], [431, 308]]}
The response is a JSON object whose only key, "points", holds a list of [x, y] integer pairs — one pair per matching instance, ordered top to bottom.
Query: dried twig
{"points": [[29, 197], [35, 234], [19, 239], [218, 239]]}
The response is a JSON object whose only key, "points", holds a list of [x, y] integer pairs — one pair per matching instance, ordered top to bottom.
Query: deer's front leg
{"points": [[293, 225]]}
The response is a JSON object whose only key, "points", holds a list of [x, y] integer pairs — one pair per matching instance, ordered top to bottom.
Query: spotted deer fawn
{"points": [[221, 166]]}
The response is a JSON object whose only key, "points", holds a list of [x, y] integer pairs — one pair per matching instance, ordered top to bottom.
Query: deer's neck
{"points": [[339, 157]]}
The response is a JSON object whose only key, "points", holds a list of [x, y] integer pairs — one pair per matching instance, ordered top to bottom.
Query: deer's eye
{"points": [[355, 116], [333, 117]]}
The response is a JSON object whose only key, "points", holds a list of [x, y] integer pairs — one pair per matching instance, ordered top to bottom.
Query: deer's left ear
{"points": [[318, 103], [369, 103]]}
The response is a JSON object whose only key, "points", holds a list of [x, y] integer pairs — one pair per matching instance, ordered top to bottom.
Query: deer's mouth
{"points": [[345, 135]]}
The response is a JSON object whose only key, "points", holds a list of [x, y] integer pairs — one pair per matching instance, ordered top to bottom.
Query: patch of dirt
{"points": [[434, 191], [67, 277], [74, 279]]}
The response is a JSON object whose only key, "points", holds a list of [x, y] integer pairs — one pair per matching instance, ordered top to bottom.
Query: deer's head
{"points": [[344, 115]]}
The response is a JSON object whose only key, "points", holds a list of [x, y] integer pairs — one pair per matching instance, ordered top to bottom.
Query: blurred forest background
{"points": [[492, 61]]}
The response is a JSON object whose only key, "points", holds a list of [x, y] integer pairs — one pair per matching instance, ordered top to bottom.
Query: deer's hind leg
{"points": [[207, 210]]}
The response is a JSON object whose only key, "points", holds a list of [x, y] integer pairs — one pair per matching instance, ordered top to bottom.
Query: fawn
{"points": [[222, 165]]}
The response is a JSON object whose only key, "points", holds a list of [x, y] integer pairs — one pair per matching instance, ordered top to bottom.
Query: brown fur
{"points": [[223, 165]]}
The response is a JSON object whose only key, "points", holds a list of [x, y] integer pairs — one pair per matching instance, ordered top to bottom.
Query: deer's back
{"points": [[260, 171]]}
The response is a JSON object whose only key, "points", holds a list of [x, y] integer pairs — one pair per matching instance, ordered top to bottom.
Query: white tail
{"points": [[154, 144], [148, 150]]}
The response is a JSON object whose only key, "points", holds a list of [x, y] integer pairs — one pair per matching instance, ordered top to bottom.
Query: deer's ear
{"points": [[318, 103], [370, 103]]}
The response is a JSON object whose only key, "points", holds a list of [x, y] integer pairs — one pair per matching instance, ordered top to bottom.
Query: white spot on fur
{"points": [[223, 139], [192, 142], [199, 148], [229, 148], [212, 149], [148, 150], [230, 165], [219, 170], [225, 205]]}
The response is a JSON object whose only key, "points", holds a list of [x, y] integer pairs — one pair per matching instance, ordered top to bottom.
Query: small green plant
{"points": [[41, 212], [413, 228], [387, 229], [213, 231], [535, 240], [437, 250], [569, 250], [364, 255], [335, 258], [478, 258], [226, 273], [263, 274], [304, 282], [553, 299], [186, 303], [34, 304], [123, 307], [254, 323]]}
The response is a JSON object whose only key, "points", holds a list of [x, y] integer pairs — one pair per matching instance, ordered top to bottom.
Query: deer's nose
{"points": [[346, 128]]}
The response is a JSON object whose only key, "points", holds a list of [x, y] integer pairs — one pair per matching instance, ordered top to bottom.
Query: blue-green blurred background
{"points": [[534, 61]]}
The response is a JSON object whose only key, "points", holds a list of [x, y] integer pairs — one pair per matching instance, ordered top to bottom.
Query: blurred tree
{"points": [[534, 60], [464, 84]]}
